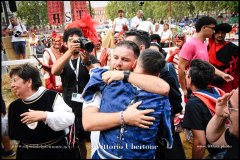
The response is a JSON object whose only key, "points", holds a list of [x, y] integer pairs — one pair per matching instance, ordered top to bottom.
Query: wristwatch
{"points": [[89, 62], [126, 75]]}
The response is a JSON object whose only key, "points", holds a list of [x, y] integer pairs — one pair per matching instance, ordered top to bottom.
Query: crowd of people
{"points": [[124, 100]]}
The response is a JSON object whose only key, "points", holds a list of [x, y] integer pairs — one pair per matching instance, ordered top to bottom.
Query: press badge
{"points": [[77, 97]]}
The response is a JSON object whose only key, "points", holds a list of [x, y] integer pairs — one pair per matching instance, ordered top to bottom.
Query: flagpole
{"points": [[90, 8]]}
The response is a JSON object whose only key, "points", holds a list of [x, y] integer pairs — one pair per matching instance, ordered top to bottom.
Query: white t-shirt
{"points": [[135, 21], [119, 23], [146, 26], [18, 28], [159, 31], [166, 34], [94, 134]]}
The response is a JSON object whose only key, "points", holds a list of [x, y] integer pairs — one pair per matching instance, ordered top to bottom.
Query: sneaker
{"points": [[10, 153]]}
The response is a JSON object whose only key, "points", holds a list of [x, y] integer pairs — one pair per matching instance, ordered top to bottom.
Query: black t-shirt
{"points": [[69, 78], [69, 86], [196, 117], [232, 141]]}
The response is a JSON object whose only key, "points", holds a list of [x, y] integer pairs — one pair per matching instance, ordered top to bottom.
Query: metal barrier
{"points": [[18, 62]]}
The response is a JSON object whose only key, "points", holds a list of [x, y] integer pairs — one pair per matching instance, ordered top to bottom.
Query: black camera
{"points": [[17, 34], [85, 44]]}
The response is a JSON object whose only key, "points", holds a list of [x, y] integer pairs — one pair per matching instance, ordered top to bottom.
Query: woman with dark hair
{"points": [[39, 119]]}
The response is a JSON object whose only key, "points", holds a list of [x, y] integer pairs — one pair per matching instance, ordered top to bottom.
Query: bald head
{"points": [[140, 14]]}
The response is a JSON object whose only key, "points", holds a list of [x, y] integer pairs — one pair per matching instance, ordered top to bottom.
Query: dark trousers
{"points": [[177, 151]]}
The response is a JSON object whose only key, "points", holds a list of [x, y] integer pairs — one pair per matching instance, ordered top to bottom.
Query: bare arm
{"points": [[114, 27], [9, 31], [24, 34], [85, 58], [61, 62], [181, 72], [226, 77], [148, 83], [93, 120], [104, 121], [216, 126], [199, 144]]}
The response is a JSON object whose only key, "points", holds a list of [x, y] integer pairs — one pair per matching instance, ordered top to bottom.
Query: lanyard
{"points": [[76, 71]]}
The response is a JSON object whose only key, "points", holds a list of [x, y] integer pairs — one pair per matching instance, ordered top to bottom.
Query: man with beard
{"points": [[224, 56]]}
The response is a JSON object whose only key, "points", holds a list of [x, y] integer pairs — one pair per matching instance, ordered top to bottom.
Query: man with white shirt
{"points": [[137, 19], [119, 22], [146, 26], [157, 29], [18, 32]]}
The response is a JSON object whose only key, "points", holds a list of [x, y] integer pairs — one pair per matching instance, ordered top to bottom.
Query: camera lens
{"points": [[85, 44], [89, 47]]}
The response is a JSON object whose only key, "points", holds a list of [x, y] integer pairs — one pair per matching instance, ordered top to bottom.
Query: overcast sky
{"points": [[98, 3]]}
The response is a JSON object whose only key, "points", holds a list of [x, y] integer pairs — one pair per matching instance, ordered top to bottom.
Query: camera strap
{"points": [[76, 71]]}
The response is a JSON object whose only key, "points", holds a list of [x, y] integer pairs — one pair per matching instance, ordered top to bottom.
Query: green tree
{"points": [[129, 7], [160, 9], [33, 12]]}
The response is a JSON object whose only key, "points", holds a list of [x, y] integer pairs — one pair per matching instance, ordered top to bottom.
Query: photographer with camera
{"points": [[18, 32], [73, 67]]}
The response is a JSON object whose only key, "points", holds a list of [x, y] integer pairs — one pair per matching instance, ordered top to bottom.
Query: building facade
{"points": [[99, 15]]}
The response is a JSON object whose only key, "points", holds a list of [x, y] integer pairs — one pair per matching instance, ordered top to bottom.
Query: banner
{"points": [[78, 7], [55, 12], [64, 12], [67, 12]]}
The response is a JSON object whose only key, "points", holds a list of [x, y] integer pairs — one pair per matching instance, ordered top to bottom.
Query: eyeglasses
{"points": [[230, 107]]}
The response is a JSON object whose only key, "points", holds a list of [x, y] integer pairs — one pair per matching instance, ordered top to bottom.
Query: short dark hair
{"points": [[120, 11], [204, 20], [71, 32], [155, 36], [142, 37], [130, 45], [152, 61], [27, 71], [201, 73]]}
